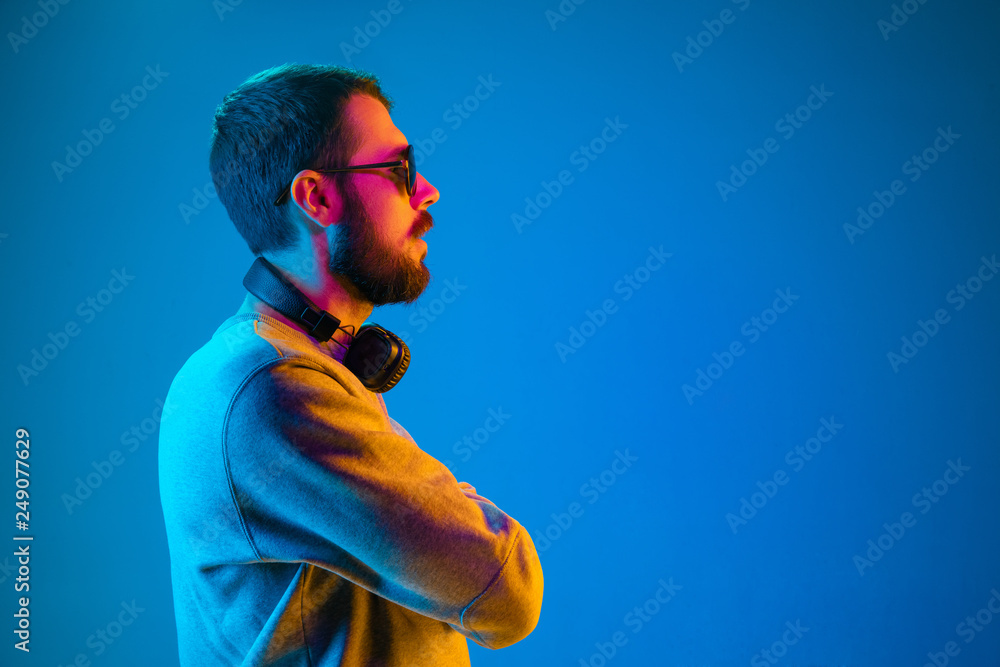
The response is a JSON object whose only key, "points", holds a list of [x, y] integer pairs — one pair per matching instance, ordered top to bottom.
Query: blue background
{"points": [[495, 346]]}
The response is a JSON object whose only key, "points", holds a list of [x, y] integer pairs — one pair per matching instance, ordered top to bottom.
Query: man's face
{"points": [[377, 246]]}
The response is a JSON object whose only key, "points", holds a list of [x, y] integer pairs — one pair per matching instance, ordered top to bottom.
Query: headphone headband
{"points": [[265, 282]]}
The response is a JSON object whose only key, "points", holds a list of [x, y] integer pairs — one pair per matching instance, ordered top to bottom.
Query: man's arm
{"points": [[373, 507]]}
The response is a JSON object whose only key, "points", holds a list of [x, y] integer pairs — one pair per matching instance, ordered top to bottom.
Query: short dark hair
{"points": [[276, 123]]}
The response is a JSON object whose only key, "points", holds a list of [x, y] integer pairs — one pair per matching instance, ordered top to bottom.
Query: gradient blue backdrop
{"points": [[495, 346]]}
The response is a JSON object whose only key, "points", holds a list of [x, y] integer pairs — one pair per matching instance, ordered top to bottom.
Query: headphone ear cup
{"points": [[377, 357], [398, 373]]}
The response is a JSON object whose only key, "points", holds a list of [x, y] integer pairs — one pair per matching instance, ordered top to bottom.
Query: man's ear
{"points": [[316, 197]]}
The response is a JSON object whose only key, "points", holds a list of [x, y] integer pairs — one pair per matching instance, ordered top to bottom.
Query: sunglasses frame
{"points": [[408, 162]]}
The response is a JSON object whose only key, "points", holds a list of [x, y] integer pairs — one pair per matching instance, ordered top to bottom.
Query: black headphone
{"points": [[375, 355]]}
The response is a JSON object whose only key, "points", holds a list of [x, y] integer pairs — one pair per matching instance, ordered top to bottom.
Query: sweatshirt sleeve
{"points": [[371, 506]]}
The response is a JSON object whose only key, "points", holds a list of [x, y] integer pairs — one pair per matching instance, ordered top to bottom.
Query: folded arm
{"points": [[373, 507]]}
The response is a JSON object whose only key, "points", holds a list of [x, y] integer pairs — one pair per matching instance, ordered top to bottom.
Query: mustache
{"points": [[424, 222]]}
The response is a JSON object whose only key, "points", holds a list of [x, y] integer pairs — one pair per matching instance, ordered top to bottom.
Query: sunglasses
{"points": [[407, 163]]}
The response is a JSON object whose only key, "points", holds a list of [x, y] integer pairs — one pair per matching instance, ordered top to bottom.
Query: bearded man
{"points": [[305, 525]]}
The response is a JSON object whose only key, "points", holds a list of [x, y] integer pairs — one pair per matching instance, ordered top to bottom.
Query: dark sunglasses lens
{"points": [[411, 171]]}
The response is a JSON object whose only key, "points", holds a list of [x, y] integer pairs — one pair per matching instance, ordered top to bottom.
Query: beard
{"points": [[380, 272]]}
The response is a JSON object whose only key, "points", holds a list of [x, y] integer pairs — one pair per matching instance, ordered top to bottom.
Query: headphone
{"points": [[375, 355]]}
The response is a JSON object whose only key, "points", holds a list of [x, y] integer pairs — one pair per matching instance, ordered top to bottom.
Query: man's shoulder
{"points": [[245, 346]]}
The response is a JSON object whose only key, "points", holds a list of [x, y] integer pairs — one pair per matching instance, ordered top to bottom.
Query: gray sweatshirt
{"points": [[306, 527]]}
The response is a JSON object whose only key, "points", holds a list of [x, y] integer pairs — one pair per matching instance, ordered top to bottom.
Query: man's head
{"points": [[273, 131]]}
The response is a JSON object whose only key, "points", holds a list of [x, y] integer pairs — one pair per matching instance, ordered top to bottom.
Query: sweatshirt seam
{"points": [[243, 317], [260, 317], [267, 339], [325, 350], [304, 362], [225, 451], [496, 578], [302, 617]]}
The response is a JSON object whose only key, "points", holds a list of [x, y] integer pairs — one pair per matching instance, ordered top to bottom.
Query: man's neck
{"points": [[330, 295]]}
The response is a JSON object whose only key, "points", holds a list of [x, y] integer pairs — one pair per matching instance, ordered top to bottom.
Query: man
{"points": [[305, 526]]}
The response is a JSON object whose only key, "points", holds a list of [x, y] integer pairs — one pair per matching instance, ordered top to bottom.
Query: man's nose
{"points": [[424, 193]]}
